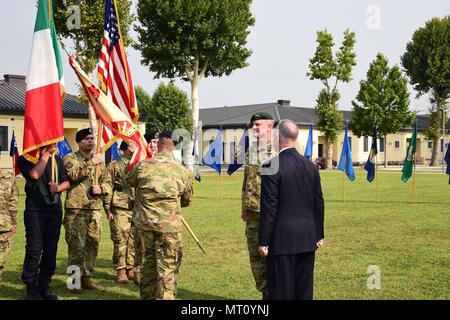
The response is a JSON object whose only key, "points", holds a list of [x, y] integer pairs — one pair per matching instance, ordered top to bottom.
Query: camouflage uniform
{"points": [[162, 188], [251, 192], [9, 195], [82, 217], [122, 228]]}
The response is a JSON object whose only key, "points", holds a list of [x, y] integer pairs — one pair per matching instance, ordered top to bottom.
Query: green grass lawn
{"points": [[410, 243]]}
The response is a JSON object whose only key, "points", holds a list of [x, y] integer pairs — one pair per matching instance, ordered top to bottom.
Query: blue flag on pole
{"points": [[309, 144], [64, 148], [196, 154], [115, 155], [239, 156], [213, 158], [447, 160], [346, 162], [371, 162]]}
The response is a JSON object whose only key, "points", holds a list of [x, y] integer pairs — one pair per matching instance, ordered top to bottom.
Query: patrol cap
{"points": [[260, 116], [82, 134], [151, 135], [123, 146]]}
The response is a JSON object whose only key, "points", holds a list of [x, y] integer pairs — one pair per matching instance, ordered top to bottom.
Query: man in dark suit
{"points": [[292, 217]]}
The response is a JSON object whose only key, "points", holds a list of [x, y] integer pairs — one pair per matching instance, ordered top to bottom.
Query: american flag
{"points": [[114, 72]]}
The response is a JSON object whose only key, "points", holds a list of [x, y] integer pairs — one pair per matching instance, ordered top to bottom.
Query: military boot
{"points": [[122, 277], [88, 284]]}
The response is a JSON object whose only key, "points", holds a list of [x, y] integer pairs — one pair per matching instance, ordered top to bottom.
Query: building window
{"points": [[4, 138], [350, 143], [366, 144], [397, 144], [430, 144], [382, 145], [320, 153]]}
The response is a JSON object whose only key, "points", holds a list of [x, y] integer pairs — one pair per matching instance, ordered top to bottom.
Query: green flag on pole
{"points": [[408, 165]]}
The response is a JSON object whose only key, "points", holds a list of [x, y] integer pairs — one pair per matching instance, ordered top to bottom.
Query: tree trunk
{"points": [[385, 151], [434, 152], [329, 155], [190, 161]]}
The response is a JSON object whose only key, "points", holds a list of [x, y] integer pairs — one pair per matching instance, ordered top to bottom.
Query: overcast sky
{"points": [[282, 41]]}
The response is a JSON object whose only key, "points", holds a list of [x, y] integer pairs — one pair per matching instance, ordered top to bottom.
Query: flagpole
{"points": [[99, 139], [53, 168], [377, 175], [343, 178], [414, 180], [192, 233]]}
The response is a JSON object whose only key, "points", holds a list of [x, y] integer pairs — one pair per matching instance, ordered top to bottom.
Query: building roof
{"points": [[12, 98], [239, 116]]}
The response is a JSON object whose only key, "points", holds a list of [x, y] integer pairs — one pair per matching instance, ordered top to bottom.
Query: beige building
{"points": [[12, 108], [234, 120]]}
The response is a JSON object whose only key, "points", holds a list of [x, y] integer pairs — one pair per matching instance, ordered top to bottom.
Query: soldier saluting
{"points": [[85, 198]]}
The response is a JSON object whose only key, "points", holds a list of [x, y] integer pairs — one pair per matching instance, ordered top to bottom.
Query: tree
{"points": [[82, 21], [193, 39], [427, 63], [327, 68], [383, 102], [167, 109]]}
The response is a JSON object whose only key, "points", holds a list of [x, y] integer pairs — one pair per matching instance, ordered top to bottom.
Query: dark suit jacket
{"points": [[292, 208]]}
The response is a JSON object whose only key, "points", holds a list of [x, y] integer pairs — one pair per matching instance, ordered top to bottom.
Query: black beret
{"points": [[260, 116], [82, 134], [151, 135], [123, 146]]}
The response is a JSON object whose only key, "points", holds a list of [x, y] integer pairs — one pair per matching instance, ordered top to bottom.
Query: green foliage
{"points": [[88, 38], [177, 38], [427, 59], [427, 63], [326, 67], [383, 101], [167, 109], [330, 119], [433, 131]]}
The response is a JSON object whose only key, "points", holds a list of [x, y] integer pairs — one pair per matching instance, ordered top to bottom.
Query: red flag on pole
{"points": [[111, 116]]}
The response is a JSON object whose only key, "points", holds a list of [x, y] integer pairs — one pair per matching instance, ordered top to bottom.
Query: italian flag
{"points": [[45, 87]]}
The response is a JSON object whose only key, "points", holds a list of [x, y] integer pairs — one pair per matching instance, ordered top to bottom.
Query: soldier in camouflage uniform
{"points": [[259, 152], [162, 188], [9, 196], [84, 200], [121, 216]]}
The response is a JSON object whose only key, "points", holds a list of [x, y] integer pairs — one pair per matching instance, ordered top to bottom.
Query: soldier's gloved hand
{"points": [[97, 158], [96, 190], [110, 216], [244, 216]]}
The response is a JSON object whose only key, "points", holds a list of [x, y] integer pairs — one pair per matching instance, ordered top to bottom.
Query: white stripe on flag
{"points": [[42, 70]]}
